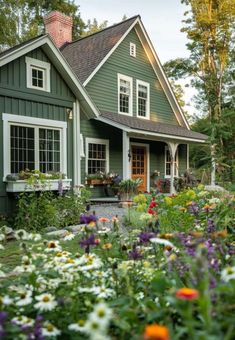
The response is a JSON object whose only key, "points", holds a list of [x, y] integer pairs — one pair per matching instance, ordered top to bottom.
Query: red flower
{"points": [[152, 205], [150, 211], [187, 293]]}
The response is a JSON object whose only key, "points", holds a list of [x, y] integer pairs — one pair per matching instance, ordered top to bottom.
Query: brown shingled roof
{"points": [[85, 54], [150, 126]]}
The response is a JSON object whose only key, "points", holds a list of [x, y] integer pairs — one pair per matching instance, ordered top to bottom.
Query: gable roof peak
{"points": [[132, 19]]}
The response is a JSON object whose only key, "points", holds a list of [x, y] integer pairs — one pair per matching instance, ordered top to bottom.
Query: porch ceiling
{"points": [[150, 129]]}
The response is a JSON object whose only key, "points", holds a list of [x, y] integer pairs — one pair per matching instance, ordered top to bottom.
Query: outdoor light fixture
{"points": [[70, 113], [129, 155]]}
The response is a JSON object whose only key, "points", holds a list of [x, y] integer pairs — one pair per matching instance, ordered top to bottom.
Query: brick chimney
{"points": [[59, 27]]}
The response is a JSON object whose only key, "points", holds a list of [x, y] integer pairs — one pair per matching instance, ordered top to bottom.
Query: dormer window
{"points": [[132, 50], [38, 74], [124, 94]]}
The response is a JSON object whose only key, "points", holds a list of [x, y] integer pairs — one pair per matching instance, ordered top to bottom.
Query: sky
{"points": [[161, 18]]}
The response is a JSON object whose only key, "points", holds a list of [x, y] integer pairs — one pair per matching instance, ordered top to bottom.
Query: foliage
{"points": [[21, 20], [209, 26], [94, 27], [34, 175], [129, 187], [37, 210], [181, 283]]}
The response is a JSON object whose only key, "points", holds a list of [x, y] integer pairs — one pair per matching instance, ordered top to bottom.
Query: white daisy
{"points": [[21, 234], [2, 237], [69, 237], [161, 241], [53, 246], [228, 274], [102, 292], [24, 298], [5, 300], [45, 302], [102, 313], [23, 320], [78, 326], [50, 330]]}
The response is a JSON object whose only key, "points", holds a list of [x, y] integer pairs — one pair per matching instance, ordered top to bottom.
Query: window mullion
{"points": [[36, 148]]}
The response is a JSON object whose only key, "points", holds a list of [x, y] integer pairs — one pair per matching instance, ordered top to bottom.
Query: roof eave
{"points": [[151, 135]]}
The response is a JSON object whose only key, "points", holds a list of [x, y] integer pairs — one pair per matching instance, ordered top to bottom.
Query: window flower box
{"points": [[46, 185]]}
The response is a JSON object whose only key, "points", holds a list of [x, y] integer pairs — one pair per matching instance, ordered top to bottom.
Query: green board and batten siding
{"points": [[103, 87], [17, 99]]}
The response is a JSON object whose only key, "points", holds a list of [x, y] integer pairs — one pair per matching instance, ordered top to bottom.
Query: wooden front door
{"points": [[139, 165]]}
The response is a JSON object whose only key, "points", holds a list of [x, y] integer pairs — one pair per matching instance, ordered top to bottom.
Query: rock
{"points": [[215, 188], [76, 228], [49, 229], [8, 230], [58, 233]]}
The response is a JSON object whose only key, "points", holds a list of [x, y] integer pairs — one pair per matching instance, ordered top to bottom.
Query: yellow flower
{"points": [[191, 194], [168, 200], [107, 246]]}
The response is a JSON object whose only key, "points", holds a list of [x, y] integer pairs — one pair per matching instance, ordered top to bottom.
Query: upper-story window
{"points": [[132, 50], [38, 74], [124, 94], [143, 106]]}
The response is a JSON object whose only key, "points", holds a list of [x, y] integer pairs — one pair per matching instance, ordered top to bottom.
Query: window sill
{"points": [[47, 185]]}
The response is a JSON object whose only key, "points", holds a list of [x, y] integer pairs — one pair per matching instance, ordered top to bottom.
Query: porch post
{"points": [[76, 145], [172, 149], [125, 151]]}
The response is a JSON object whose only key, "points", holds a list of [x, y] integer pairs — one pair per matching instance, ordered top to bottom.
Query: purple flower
{"points": [[193, 208], [86, 218], [210, 226], [145, 237], [90, 241], [135, 255], [3, 317]]}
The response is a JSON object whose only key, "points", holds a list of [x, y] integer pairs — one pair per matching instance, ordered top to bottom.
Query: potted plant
{"points": [[128, 188]]}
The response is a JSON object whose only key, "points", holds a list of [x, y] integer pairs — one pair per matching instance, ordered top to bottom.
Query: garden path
{"points": [[108, 210]]}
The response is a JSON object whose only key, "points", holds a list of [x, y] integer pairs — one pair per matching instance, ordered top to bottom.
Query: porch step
{"points": [[101, 200]]}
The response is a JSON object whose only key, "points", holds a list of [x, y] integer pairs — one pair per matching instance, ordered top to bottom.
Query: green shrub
{"points": [[38, 210]]}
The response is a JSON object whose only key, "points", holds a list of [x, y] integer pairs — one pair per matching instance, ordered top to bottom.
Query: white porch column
{"points": [[76, 144], [172, 149], [125, 151]]}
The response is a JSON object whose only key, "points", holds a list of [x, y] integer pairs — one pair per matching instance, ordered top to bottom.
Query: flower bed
{"points": [[155, 282]]}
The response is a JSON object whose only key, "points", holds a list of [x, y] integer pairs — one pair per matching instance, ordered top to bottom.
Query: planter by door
{"points": [[139, 165]]}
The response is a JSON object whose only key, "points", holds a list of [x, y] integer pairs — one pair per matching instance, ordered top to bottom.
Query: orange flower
{"points": [[206, 207], [103, 219], [221, 233], [97, 241], [187, 293], [156, 332]]}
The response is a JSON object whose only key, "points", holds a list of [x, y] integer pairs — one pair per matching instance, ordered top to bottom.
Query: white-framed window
{"points": [[132, 50], [38, 74], [125, 94], [143, 99], [34, 144], [97, 155], [168, 163]]}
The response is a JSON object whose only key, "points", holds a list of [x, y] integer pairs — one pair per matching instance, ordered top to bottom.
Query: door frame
{"points": [[147, 162]]}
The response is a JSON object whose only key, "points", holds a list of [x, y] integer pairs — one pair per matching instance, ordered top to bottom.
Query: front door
{"points": [[139, 165]]}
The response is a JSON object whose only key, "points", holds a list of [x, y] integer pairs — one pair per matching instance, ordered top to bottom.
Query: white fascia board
{"points": [[110, 53], [58, 59], [167, 87], [150, 134]]}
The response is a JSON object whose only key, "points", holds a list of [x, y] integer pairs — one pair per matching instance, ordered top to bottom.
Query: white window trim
{"points": [[132, 48], [45, 67], [126, 78], [140, 82], [9, 119], [98, 141], [177, 163]]}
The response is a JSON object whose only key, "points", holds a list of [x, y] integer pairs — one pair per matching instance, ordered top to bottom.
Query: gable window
{"points": [[132, 50], [38, 74], [124, 94], [142, 99], [34, 144], [97, 155], [168, 163]]}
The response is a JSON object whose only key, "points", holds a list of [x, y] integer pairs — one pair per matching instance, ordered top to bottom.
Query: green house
{"points": [[39, 94], [98, 104], [141, 130]]}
